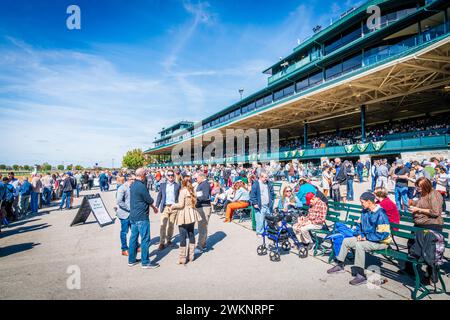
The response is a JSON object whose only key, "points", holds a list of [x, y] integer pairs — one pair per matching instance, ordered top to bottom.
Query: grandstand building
{"points": [[348, 78]]}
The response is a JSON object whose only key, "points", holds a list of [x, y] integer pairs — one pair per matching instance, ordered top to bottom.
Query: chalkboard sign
{"points": [[92, 203]]}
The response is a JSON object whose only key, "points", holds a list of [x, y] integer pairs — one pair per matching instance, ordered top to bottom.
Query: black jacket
{"points": [[424, 249]]}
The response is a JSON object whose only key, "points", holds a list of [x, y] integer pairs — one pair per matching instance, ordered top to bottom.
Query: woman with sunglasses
{"points": [[288, 199], [240, 200]]}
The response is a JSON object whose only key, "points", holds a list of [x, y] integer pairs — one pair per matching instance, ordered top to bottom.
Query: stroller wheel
{"points": [[286, 246], [261, 250], [302, 252]]}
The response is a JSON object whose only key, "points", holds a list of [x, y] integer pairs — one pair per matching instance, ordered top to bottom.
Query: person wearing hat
{"points": [[401, 175], [240, 200], [315, 219], [372, 233]]}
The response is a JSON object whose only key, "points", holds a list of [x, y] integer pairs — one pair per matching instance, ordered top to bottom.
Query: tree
{"points": [[133, 159], [2, 167], [15, 167], [26, 167], [46, 167], [60, 167], [69, 167], [78, 167]]}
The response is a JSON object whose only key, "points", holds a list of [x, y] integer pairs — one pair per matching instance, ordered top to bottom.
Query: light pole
{"points": [[241, 91]]}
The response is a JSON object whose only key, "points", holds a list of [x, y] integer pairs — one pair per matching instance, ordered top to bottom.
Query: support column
{"points": [[363, 123], [305, 135]]}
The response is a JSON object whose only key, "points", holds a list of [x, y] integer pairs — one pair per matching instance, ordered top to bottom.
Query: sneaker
{"points": [[132, 264], [152, 265], [336, 269], [358, 280]]}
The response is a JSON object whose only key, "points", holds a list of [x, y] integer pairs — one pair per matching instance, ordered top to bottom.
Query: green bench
{"points": [[406, 232], [319, 235]]}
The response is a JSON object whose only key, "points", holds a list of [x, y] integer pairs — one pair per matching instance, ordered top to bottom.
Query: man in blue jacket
{"points": [[24, 196], [167, 196], [262, 198], [140, 203], [372, 233]]}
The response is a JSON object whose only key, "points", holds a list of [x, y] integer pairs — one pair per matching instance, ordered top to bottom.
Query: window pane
{"points": [[352, 63], [333, 71], [315, 78], [302, 85], [288, 91], [278, 95], [268, 99]]}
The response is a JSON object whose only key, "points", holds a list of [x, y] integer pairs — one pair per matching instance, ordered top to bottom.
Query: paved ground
{"points": [[36, 253]]}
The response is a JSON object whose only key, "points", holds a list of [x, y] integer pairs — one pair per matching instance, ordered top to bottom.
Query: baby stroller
{"points": [[279, 232]]}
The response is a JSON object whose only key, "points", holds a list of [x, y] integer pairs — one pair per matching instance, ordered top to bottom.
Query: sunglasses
{"points": [[170, 175], [288, 191]]}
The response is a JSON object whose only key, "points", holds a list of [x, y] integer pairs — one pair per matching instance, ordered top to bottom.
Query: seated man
{"points": [[314, 220], [372, 233]]}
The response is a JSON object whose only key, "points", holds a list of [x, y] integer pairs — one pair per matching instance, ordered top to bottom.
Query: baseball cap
{"points": [[399, 161], [368, 196], [308, 197]]}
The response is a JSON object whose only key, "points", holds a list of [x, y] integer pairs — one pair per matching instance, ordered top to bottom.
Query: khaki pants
{"points": [[205, 213], [167, 224], [303, 232], [361, 247]]}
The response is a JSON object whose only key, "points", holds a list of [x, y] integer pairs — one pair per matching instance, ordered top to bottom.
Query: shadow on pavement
{"points": [[21, 222], [11, 232], [215, 239], [16, 248]]}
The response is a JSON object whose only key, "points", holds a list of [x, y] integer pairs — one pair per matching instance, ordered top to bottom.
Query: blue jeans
{"points": [[360, 176], [374, 183], [78, 191], [350, 194], [47, 195], [401, 195], [65, 198], [34, 202], [259, 218], [124, 227], [141, 228]]}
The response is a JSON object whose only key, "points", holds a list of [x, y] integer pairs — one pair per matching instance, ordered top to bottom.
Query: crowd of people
{"points": [[414, 128], [24, 196], [187, 196]]}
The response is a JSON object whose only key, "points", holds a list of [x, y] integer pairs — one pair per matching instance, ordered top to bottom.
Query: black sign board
{"points": [[92, 203]]}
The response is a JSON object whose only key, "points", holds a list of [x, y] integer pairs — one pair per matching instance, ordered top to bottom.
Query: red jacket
{"points": [[391, 210]]}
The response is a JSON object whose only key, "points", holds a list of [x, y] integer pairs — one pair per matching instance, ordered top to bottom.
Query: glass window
{"points": [[352, 63], [333, 71], [316, 78], [302, 85], [289, 90], [278, 95], [268, 99], [259, 102], [251, 106], [245, 109], [237, 112], [227, 116]]}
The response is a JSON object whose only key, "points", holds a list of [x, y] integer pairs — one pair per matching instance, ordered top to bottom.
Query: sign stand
{"points": [[93, 203]]}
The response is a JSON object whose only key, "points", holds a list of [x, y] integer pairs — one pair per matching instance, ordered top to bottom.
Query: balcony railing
{"points": [[390, 147]]}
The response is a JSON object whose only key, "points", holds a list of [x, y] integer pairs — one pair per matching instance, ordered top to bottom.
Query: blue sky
{"points": [[87, 96]]}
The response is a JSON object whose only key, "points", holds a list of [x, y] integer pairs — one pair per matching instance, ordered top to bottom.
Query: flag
{"points": [[378, 145], [362, 146], [349, 148], [293, 153], [301, 153]]}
